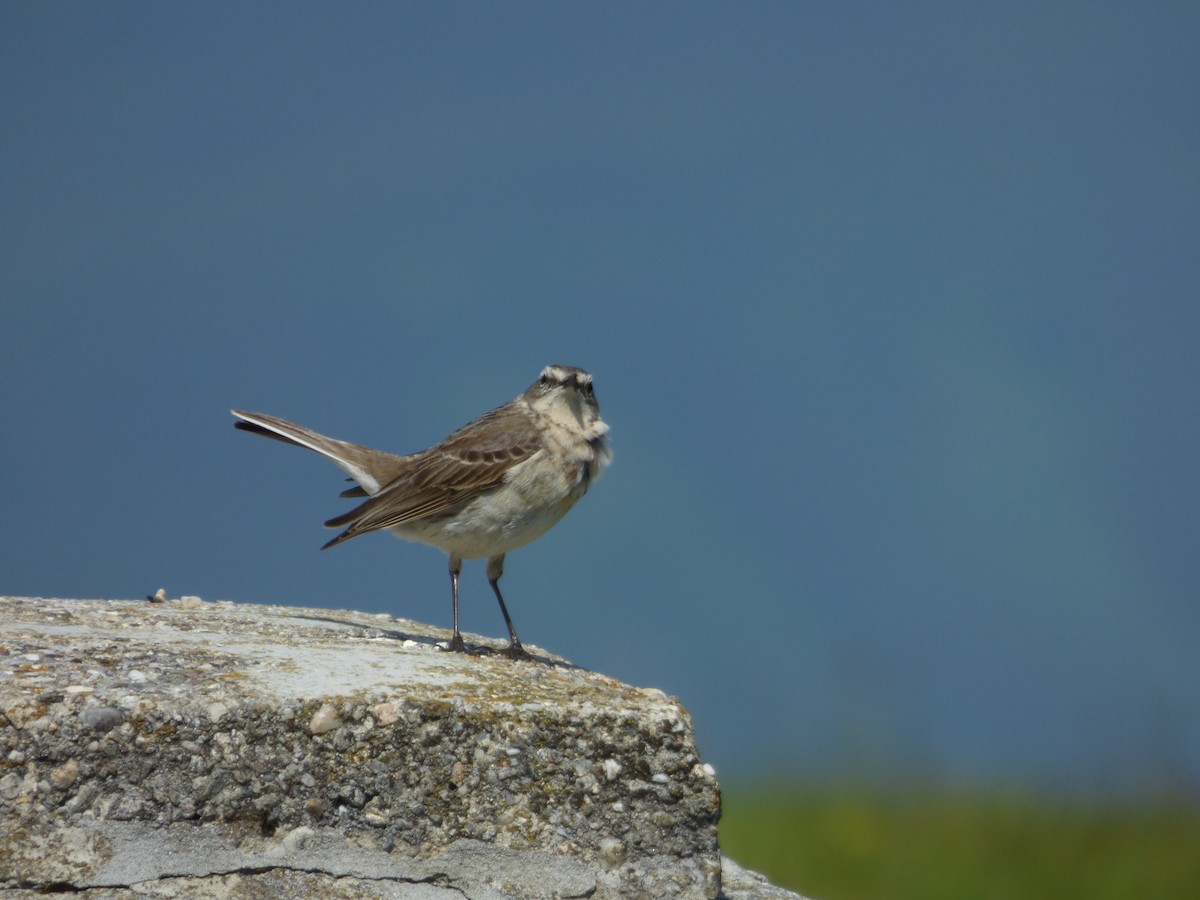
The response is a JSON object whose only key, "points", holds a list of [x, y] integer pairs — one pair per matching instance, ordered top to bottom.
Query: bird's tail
{"points": [[372, 469]]}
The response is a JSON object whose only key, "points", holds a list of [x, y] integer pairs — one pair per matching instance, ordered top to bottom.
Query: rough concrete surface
{"points": [[193, 749]]}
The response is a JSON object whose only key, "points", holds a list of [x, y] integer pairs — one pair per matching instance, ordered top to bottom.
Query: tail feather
{"points": [[255, 428], [372, 469], [356, 491], [344, 536]]}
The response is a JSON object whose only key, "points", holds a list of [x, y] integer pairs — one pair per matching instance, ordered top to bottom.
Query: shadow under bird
{"points": [[494, 485]]}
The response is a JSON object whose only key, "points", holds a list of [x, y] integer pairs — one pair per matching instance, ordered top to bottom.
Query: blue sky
{"points": [[892, 309]]}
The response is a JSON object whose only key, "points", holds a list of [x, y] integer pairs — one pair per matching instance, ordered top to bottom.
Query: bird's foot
{"points": [[456, 645], [516, 651]]}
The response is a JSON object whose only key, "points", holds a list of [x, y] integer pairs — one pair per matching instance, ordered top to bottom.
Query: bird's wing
{"points": [[469, 462]]}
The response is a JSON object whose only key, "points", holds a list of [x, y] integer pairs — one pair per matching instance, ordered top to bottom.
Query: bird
{"points": [[494, 485]]}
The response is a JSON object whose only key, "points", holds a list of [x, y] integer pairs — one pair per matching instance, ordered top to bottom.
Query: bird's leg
{"points": [[494, 570], [456, 644]]}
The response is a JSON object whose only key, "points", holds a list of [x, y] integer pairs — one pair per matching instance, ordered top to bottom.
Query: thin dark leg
{"points": [[456, 645], [514, 649]]}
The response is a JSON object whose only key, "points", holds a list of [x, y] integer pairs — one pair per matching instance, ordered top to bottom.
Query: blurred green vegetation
{"points": [[942, 844]]}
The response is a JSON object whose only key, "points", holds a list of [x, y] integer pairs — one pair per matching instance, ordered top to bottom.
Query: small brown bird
{"points": [[494, 485]]}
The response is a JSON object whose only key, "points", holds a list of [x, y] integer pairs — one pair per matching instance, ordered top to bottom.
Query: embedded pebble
{"points": [[386, 714], [102, 718], [325, 719], [64, 776], [10, 786], [297, 839], [612, 851]]}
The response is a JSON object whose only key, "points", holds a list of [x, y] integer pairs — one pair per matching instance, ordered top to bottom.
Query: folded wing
{"points": [[473, 460]]}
